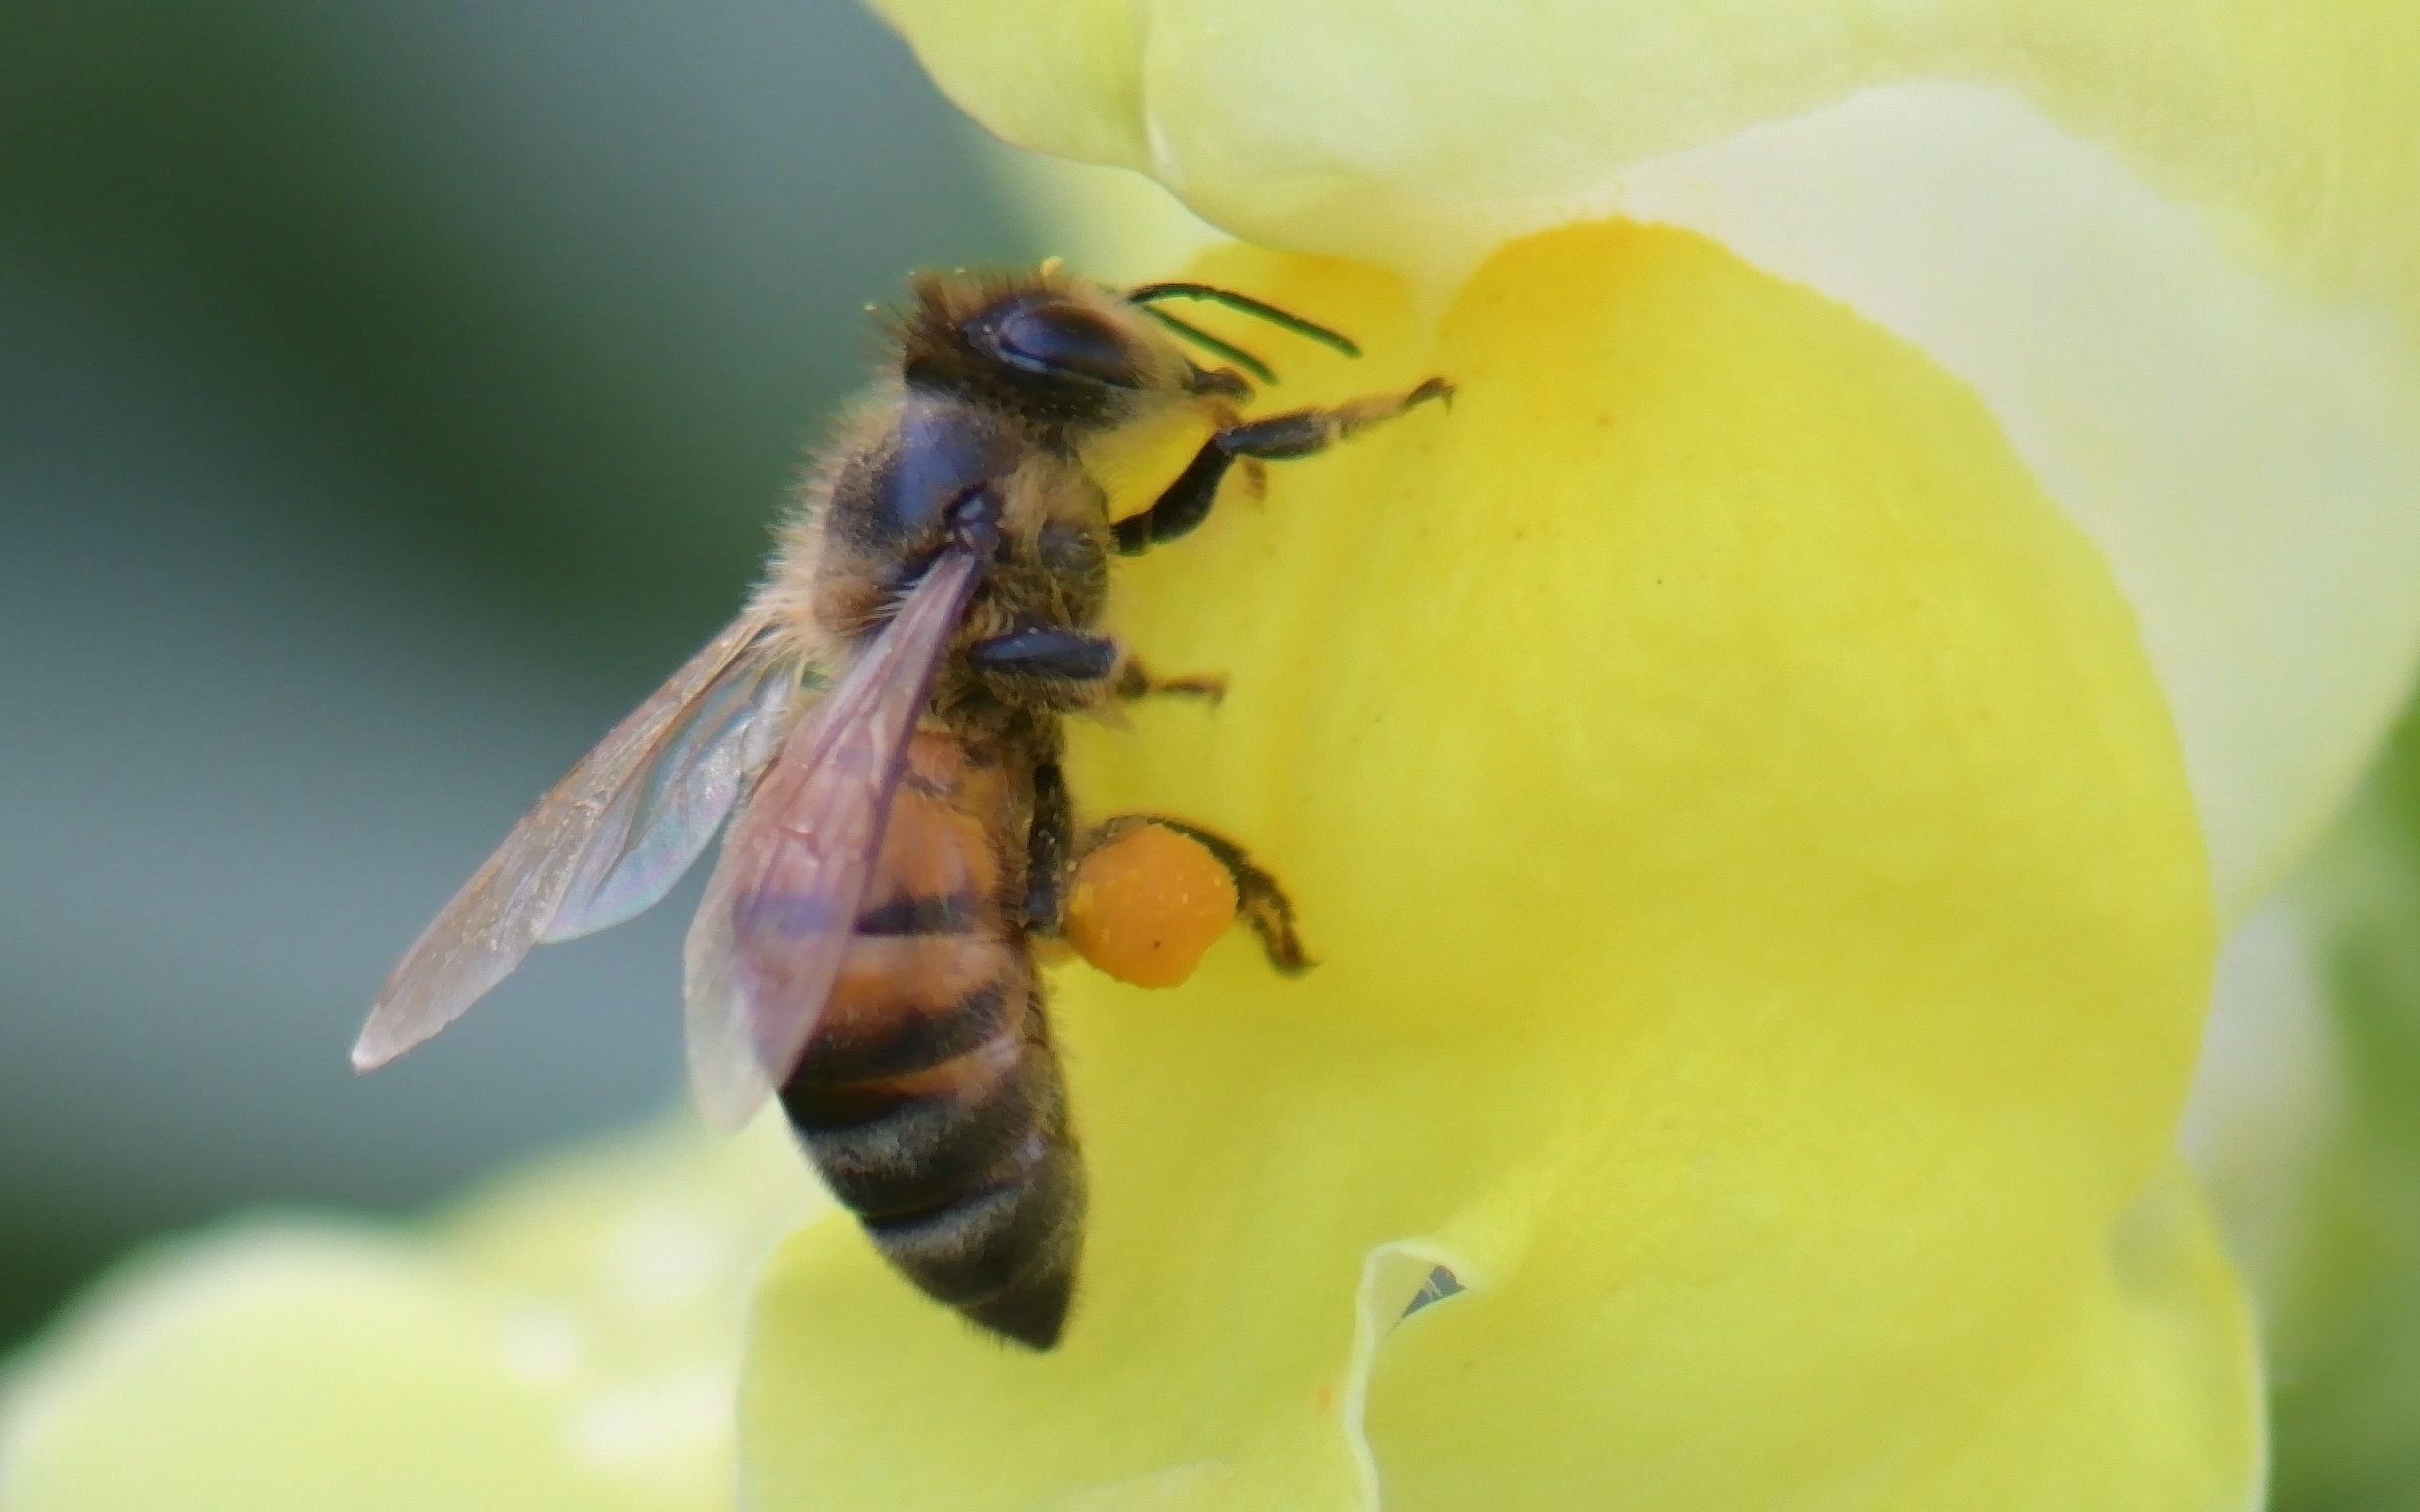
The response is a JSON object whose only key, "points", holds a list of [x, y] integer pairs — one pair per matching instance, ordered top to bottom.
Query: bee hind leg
{"points": [[1260, 900]]}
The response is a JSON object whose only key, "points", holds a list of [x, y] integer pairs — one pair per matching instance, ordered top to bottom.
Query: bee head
{"points": [[1049, 349]]}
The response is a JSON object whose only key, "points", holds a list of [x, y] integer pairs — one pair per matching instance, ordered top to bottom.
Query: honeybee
{"points": [[883, 727]]}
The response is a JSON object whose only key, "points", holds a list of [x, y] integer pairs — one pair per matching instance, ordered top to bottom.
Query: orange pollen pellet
{"points": [[1144, 904]]}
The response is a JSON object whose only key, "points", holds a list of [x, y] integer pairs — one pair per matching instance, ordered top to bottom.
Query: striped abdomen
{"points": [[930, 1097]]}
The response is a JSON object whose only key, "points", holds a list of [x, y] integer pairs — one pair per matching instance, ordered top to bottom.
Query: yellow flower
{"points": [[1923, 539], [1757, 771], [1764, 933]]}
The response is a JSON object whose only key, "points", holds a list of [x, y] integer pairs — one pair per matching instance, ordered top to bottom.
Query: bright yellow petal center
{"points": [[1763, 934]]}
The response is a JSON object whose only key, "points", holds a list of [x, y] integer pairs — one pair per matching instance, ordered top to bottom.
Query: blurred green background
{"points": [[390, 393], [2346, 1314]]}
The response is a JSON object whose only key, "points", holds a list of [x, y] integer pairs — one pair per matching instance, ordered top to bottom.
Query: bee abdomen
{"points": [[944, 1128], [1004, 1254]]}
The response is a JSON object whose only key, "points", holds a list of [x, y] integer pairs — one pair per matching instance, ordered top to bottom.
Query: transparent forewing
{"points": [[664, 818], [597, 837], [784, 902]]}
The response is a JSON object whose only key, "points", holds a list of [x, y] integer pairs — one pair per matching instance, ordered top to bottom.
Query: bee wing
{"points": [[663, 818], [609, 841], [784, 902]]}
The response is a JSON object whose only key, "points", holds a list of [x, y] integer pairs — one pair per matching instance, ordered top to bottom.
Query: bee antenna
{"points": [[1245, 305], [1212, 345]]}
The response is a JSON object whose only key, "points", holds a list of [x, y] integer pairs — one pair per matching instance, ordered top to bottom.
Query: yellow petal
{"points": [[1406, 130], [2247, 455], [1763, 933], [2128, 1383]]}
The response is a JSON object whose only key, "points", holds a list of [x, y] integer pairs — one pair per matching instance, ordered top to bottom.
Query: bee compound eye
{"points": [[1057, 340]]}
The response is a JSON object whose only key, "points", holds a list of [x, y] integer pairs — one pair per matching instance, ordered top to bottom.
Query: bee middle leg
{"points": [[1274, 437], [1046, 654], [1076, 667], [1135, 683], [1050, 844], [1051, 851]]}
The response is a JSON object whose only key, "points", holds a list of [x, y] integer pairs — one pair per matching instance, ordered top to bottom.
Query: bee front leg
{"points": [[1274, 438]]}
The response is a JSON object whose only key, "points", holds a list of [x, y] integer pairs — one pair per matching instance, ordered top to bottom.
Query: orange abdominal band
{"points": [[1146, 902]]}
